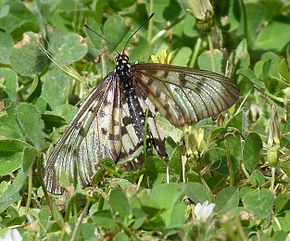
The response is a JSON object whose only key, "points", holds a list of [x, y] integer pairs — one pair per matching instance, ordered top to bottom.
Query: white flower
{"points": [[204, 211], [97, 234], [11, 235]]}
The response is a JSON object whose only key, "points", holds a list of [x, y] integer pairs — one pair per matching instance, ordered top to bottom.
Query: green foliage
{"points": [[240, 162]]}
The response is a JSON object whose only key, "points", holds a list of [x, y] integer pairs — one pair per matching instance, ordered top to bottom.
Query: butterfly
{"points": [[111, 120]]}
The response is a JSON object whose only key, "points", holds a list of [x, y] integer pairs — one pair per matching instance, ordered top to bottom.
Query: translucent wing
{"points": [[183, 95], [111, 121], [93, 134], [130, 139]]}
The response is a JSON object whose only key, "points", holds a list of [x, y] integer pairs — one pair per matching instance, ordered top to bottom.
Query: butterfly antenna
{"points": [[147, 20], [102, 37]]}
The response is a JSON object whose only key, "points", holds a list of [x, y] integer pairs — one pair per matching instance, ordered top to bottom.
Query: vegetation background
{"points": [[239, 162]]}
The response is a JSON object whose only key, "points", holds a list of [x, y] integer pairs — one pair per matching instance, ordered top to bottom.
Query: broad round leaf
{"points": [[5, 47], [67, 48], [26, 58], [10, 85], [56, 87], [31, 125], [259, 203]]}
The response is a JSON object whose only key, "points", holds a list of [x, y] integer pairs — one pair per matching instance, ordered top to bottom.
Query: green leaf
{"points": [[118, 5], [166, 10], [4, 11], [255, 14], [234, 15], [16, 16], [115, 24], [188, 26], [274, 36], [95, 40], [6, 45], [67, 48], [140, 50], [242, 55], [182, 57], [26, 58], [205, 61], [268, 65], [284, 71], [250, 75], [10, 79], [271, 84], [56, 87], [34, 89], [60, 115], [237, 122], [31, 125], [9, 128], [12, 145], [235, 146], [252, 149], [215, 154], [29, 157], [9, 162], [257, 178], [197, 192], [11, 194], [166, 195], [168, 198], [227, 199], [119, 203], [259, 203], [282, 203], [148, 204], [175, 216], [139, 217], [104, 219], [89, 231], [121, 236]]}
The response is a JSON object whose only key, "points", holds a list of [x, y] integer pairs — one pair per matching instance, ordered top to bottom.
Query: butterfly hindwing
{"points": [[133, 131]]}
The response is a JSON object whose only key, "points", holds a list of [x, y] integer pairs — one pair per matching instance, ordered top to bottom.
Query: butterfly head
{"points": [[123, 68]]}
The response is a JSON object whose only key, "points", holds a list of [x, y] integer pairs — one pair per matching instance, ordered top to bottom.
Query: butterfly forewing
{"points": [[183, 95], [92, 135]]}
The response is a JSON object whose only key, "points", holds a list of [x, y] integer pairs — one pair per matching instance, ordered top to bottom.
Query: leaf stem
{"points": [[245, 22], [150, 26], [195, 53], [212, 57], [230, 164], [273, 170], [29, 190], [73, 237]]}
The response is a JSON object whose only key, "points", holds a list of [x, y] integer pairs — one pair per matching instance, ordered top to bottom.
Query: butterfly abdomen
{"points": [[130, 98]]}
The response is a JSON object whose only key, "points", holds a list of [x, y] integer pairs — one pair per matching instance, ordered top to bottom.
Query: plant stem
{"points": [[245, 22], [150, 28], [195, 53], [212, 57], [230, 165], [273, 180], [29, 190], [73, 237]]}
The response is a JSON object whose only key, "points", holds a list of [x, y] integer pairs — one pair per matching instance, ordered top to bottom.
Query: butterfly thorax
{"points": [[123, 68]]}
